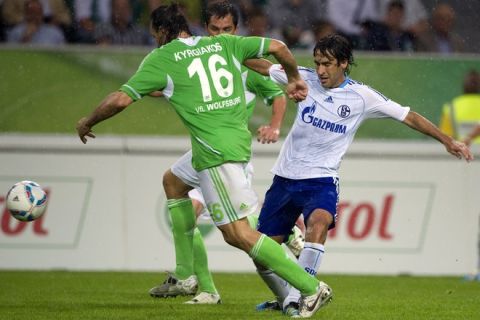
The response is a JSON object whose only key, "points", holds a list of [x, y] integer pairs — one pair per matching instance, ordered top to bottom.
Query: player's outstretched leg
{"points": [[268, 253]]}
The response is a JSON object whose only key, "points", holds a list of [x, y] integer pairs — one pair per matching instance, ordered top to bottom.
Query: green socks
{"points": [[183, 224], [190, 252], [272, 256], [200, 264]]}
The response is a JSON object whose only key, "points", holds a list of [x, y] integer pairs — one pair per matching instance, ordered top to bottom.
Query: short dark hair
{"points": [[221, 9], [170, 19], [338, 47], [471, 82]]}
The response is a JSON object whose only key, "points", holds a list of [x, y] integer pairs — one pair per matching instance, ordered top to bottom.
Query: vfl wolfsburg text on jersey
{"points": [[219, 105]]}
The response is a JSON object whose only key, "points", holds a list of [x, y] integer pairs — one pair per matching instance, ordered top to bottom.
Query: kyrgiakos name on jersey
{"points": [[188, 53], [308, 117]]}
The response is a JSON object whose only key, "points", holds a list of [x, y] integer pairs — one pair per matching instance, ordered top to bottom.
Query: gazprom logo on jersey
{"points": [[308, 117]]}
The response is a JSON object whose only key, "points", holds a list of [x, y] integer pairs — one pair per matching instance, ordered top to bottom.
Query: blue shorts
{"points": [[287, 199]]}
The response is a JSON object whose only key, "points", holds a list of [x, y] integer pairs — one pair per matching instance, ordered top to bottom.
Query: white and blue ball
{"points": [[26, 201]]}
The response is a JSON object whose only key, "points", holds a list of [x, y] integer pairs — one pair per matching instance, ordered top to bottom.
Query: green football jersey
{"points": [[202, 78], [259, 85]]}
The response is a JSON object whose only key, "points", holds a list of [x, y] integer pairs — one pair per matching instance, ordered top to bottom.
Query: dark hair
{"points": [[221, 9], [171, 20], [336, 46], [471, 82]]}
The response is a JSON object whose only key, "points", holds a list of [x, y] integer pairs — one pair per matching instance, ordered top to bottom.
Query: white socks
{"points": [[310, 259], [277, 285]]}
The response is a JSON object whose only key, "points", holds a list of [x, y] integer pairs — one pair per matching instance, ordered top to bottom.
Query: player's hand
{"points": [[297, 90], [84, 130], [267, 134], [460, 150]]}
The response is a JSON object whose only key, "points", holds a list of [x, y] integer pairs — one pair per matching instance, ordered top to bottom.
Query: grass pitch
{"points": [[124, 295]]}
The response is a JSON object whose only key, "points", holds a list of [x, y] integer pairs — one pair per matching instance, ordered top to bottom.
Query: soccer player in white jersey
{"points": [[220, 17], [306, 171]]}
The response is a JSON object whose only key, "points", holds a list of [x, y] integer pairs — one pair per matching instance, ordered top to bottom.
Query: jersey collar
{"points": [[190, 41], [344, 83]]}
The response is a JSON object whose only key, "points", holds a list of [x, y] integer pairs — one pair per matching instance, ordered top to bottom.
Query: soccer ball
{"points": [[26, 201]]}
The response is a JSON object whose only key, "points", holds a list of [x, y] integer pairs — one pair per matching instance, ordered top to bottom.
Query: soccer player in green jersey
{"points": [[220, 17], [201, 77]]}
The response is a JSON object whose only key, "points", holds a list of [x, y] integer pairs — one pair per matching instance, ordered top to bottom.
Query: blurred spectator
{"points": [[54, 11], [88, 13], [349, 16], [294, 19], [415, 19], [257, 24], [33, 29], [121, 30], [389, 35], [440, 36], [471, 98], [460, 116]]}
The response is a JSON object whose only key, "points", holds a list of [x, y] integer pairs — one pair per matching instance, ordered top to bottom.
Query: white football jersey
{"points": [[326, 123]]}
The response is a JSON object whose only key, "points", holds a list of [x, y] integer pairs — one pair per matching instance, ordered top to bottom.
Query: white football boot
{"points": [[205, 298], [310, 304]]}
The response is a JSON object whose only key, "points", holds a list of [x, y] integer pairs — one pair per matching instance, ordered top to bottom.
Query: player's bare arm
{"points": [[261, 66], [296, 88], [156, 94], [110, 106], [421, 124], [271, 133]]}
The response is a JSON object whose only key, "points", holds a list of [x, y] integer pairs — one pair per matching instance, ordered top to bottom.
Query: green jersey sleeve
{"points": [[247, 47], [148, 78], [263, 87]]}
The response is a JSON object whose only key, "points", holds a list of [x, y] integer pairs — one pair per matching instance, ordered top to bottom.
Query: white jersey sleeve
{"points": [[277, 74], [379, 106]]}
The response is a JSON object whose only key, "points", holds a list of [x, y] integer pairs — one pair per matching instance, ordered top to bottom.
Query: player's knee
{"points": [[168, 182], [173, 186], [320, 218], [319, 222], [235, 235]]}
